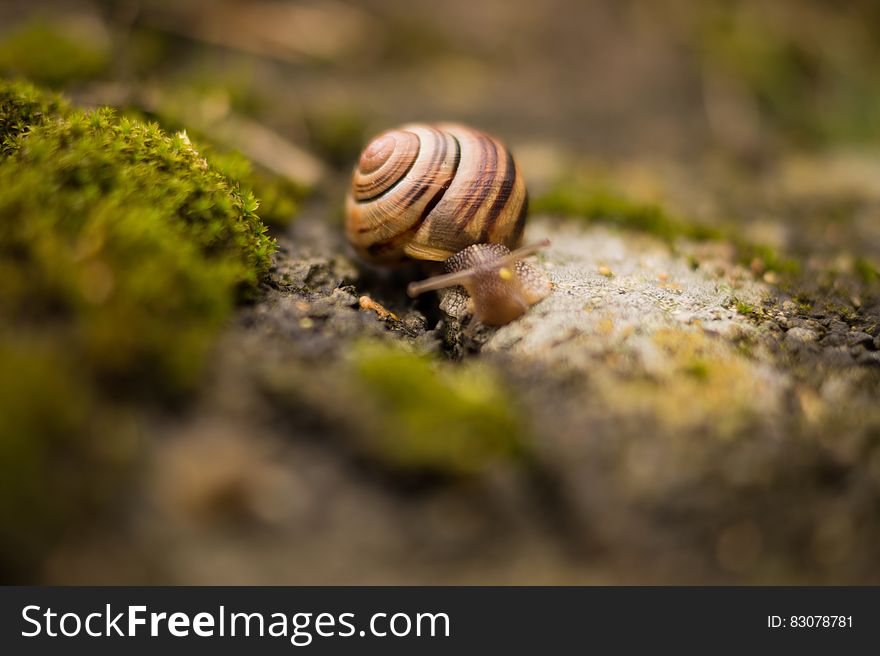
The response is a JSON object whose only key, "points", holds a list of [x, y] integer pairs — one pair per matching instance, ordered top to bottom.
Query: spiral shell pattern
{"points": [[428, 191]]}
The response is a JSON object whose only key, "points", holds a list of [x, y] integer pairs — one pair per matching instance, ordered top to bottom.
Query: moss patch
{"points": [[22, 107], [184, 110], [279, 199], [592, 203], [599, 204], [126, 238], [121, 253], [865, 270], [746, 309], [436, 416]]}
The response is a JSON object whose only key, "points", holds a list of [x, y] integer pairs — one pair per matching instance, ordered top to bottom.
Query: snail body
{"points": [[447, 193], [500, 285]]}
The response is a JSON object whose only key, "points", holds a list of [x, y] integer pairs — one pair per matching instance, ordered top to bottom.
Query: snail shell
{"points": [[426, 192]]}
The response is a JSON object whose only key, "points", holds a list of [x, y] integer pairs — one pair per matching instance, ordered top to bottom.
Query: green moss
{"points": [[44, 53], [22, 107], [279, 199], [593, 203], [599, 204], [128, 235], [122, 252], [766, 257], [866, 271], [804, 303], [746, 309], [844, 311], [437, 416]]}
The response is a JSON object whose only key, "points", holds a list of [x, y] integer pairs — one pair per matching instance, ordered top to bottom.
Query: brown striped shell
{"points": [[426, 192]]}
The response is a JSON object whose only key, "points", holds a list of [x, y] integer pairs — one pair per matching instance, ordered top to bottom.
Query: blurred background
{"points": [[655, 94], [758, 119]]}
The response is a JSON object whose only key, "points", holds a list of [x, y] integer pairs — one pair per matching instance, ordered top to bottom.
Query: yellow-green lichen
{"points": [[703, 382], [436, 416]]}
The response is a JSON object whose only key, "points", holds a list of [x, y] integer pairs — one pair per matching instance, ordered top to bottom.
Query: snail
{"points": [[447, 193]]}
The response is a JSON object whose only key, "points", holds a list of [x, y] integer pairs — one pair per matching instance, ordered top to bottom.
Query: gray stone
{"points": [[651, 291]]}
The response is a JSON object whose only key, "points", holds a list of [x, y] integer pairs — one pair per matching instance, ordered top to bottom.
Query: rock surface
{"points": [[677, 432]]}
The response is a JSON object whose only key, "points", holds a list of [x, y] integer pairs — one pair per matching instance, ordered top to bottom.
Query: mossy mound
{"points": [[22, 107], [577, 197], [279, 198], [125, 241], [121, 253], [403, 413], [434, 417]]}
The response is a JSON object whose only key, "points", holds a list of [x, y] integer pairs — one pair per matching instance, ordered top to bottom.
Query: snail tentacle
{"points": [[439, 282]]}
